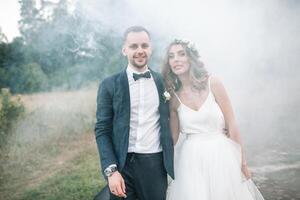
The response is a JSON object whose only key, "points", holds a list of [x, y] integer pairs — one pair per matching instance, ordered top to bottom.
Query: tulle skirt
{"points": [[208, 167]]}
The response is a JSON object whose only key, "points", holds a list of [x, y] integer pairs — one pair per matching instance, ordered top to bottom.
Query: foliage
{"points": [[3, 37], [57, 49], [34, 79], [10, 111]]}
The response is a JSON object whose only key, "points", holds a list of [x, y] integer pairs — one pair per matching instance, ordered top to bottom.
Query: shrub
{"points": [[33, 79], [10, 111]]}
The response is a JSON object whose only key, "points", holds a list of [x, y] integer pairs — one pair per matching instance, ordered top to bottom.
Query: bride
{"points": [[210, 164]]}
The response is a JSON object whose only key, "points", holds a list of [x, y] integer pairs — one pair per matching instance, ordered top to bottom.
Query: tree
{"points": [[31, 20], [3, 38], [57, 48], [12, 56], [33, 78]]}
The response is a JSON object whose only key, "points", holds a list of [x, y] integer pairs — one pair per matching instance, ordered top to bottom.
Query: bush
{"points": [[33, 78], [10, 111]]}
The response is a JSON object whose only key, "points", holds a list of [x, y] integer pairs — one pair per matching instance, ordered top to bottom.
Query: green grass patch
{"points": [[79, 179]]}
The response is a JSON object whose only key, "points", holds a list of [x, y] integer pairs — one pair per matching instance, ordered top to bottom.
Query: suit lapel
{"points": [[125, 96], [163, 107]]}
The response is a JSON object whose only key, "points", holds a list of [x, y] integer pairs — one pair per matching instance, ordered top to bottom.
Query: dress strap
{"points": [[208, 82], [177, 97]]}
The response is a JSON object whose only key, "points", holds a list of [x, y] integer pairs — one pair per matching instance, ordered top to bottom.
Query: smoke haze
{"points": [[252, 45]]}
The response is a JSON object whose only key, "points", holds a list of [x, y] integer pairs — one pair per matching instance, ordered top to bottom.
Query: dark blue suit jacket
{"points": [[113, 121]]}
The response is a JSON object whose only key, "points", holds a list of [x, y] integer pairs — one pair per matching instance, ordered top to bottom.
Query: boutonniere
{"points": [[167, 96]]}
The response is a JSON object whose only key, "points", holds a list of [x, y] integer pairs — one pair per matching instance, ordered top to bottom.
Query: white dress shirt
{"points": [[144, 133]]}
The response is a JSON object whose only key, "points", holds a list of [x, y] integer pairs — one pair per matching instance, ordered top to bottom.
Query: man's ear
{"points": [[124, 51]]}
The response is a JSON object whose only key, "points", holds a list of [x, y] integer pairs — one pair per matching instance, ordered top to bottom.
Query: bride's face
{"points": [[178, 60]]}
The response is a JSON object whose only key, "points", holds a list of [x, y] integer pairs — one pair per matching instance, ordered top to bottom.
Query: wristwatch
{"points": [[110, 170]]}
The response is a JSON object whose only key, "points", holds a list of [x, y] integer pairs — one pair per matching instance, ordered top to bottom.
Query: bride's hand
{"points": [[246, 171]]}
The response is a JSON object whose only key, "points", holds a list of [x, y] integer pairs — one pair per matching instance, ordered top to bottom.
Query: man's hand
{"points": [[116, 184]]}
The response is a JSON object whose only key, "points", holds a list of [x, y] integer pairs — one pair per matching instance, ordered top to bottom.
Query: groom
{"points": [[132, 128]]}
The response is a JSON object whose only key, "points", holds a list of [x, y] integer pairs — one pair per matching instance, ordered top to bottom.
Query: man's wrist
{"points": [[110, 170]]}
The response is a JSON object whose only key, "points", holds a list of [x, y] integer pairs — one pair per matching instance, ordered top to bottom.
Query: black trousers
{"points": [[145, 177]]}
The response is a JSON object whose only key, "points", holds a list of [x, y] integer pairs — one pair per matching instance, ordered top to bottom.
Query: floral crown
{"points": [[189, 45]]}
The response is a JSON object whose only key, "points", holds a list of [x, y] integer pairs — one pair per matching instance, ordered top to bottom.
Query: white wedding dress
{"points": [[208, 163]]}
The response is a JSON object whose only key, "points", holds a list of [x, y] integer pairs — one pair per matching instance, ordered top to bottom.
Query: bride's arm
{"points": [[225, 105], [174, 121]]}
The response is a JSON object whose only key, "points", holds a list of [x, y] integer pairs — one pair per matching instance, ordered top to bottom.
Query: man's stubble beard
{"points": [[134, 64]]}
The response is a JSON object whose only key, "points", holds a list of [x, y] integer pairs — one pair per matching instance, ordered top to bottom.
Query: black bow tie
{"points": [[144, 75]]}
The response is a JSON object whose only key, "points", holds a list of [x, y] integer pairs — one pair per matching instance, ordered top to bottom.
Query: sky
{"points": [[9, 16]]}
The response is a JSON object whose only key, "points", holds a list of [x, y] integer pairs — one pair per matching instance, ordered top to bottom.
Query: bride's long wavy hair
{"points": [[197, 72]]}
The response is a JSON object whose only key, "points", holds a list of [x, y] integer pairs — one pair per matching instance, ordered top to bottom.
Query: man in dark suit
{"points": [[132, 128]]}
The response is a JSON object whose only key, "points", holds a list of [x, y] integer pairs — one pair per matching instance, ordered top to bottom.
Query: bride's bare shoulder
{"points": [[215, 80], [216, 84]]}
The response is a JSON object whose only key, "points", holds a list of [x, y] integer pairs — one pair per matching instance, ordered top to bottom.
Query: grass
{"points": [[52, 153], [70, 173], [78, 179]]}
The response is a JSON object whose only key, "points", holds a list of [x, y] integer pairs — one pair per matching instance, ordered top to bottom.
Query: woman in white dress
{"points": [[210, 164]]}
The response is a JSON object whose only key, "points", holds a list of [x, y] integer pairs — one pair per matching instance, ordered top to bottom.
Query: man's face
{"points": [[137, 49]]}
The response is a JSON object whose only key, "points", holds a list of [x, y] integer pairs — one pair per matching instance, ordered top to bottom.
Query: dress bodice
{"points": [[207, 119]]}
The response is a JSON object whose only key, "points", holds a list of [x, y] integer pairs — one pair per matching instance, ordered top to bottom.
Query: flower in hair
{"points": [[189, 45]]}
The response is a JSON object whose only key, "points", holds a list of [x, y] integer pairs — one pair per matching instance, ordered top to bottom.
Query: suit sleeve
{"points": [[104, 126]]}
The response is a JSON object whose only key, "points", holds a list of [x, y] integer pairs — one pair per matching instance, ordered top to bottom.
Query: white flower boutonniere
{"points": [[167, 96]]}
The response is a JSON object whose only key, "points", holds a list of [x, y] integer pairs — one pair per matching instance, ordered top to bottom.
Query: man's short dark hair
{"points": [[135, 29]]}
